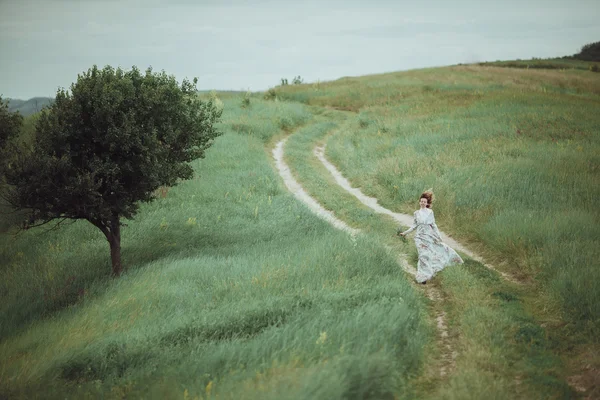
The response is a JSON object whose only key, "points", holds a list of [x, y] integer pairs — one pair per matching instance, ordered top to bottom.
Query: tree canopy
{"points": [[589, 52], [10, 125], [108, 145]]}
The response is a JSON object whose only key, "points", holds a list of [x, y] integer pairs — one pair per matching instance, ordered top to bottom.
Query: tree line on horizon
{"points": [[589, 52]]}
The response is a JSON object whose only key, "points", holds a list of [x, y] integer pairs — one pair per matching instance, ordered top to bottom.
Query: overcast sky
{"points": [[237, 45]]}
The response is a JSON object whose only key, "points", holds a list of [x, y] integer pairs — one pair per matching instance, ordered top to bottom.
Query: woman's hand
{"points": [[402, 235]]}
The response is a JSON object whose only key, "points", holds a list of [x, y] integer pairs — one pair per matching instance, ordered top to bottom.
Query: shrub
{"points": [[589, 52], [271, 94], [246, 99], [216, 101], [285, 123], [10, 125], [382, 127]]}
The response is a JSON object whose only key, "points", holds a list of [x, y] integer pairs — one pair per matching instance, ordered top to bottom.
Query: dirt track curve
{"points": [[448, 353]]}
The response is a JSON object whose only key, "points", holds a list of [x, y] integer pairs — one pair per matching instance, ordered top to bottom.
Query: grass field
{"points": [[547, 63], [512, 156], [514, 163], [233, 289], [495, 343]]}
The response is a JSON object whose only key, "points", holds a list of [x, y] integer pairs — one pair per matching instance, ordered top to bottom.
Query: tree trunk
{"points": [[113, 235], [115, 247]]}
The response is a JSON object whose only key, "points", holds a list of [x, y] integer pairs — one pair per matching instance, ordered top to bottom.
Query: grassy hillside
{"points": [[587, 59], [547, 63], [512, 155], [233, 289], [494, 344]]}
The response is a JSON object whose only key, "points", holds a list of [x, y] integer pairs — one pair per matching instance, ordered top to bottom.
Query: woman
{"points": [[434, 255]]}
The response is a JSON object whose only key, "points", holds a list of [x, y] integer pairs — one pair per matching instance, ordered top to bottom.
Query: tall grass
{"points": [[549, 63], [424, 92], [264, 119], [511, 154], [232, 289], [496, 343], [508, 354]]}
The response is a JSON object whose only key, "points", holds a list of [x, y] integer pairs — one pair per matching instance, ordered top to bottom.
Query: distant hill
{"points": [[35, 104], [28, 107]]}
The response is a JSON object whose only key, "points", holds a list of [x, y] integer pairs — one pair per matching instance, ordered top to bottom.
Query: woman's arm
{"points": [[409, 230]]}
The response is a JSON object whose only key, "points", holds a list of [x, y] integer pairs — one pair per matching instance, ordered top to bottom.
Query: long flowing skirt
{"points": [[434, 255]]}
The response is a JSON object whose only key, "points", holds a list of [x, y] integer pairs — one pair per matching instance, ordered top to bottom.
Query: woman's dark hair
{"points": [[428, 195]]}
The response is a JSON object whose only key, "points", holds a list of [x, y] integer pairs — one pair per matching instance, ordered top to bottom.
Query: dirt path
{"points": [[294, 187], [404, 219], [447, 353]]}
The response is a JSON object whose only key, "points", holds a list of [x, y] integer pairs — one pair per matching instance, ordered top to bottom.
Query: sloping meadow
{"points": [[511, 154], [232, 288]]}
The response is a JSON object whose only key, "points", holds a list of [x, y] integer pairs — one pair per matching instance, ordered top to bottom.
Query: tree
{"points": [[589, 52], [10, 125], [108, 145]]}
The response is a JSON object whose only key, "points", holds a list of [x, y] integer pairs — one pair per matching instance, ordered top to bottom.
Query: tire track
{"points": [[297, 190], [404, 219], [447, 353], [448, 356]]}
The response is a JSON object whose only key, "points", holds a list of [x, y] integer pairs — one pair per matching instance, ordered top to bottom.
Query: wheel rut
{"points": [[404, 219], [447, 353]]}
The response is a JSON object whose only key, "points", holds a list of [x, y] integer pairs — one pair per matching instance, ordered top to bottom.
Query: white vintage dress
{"points": [[434, 255]]}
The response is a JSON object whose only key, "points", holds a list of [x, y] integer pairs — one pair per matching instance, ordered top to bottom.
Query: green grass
{"points": [[549, 63], [422, 93], [262, 119], [512, 156], [515, 171], [232, 289], [500, 347], [504, 351]]}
